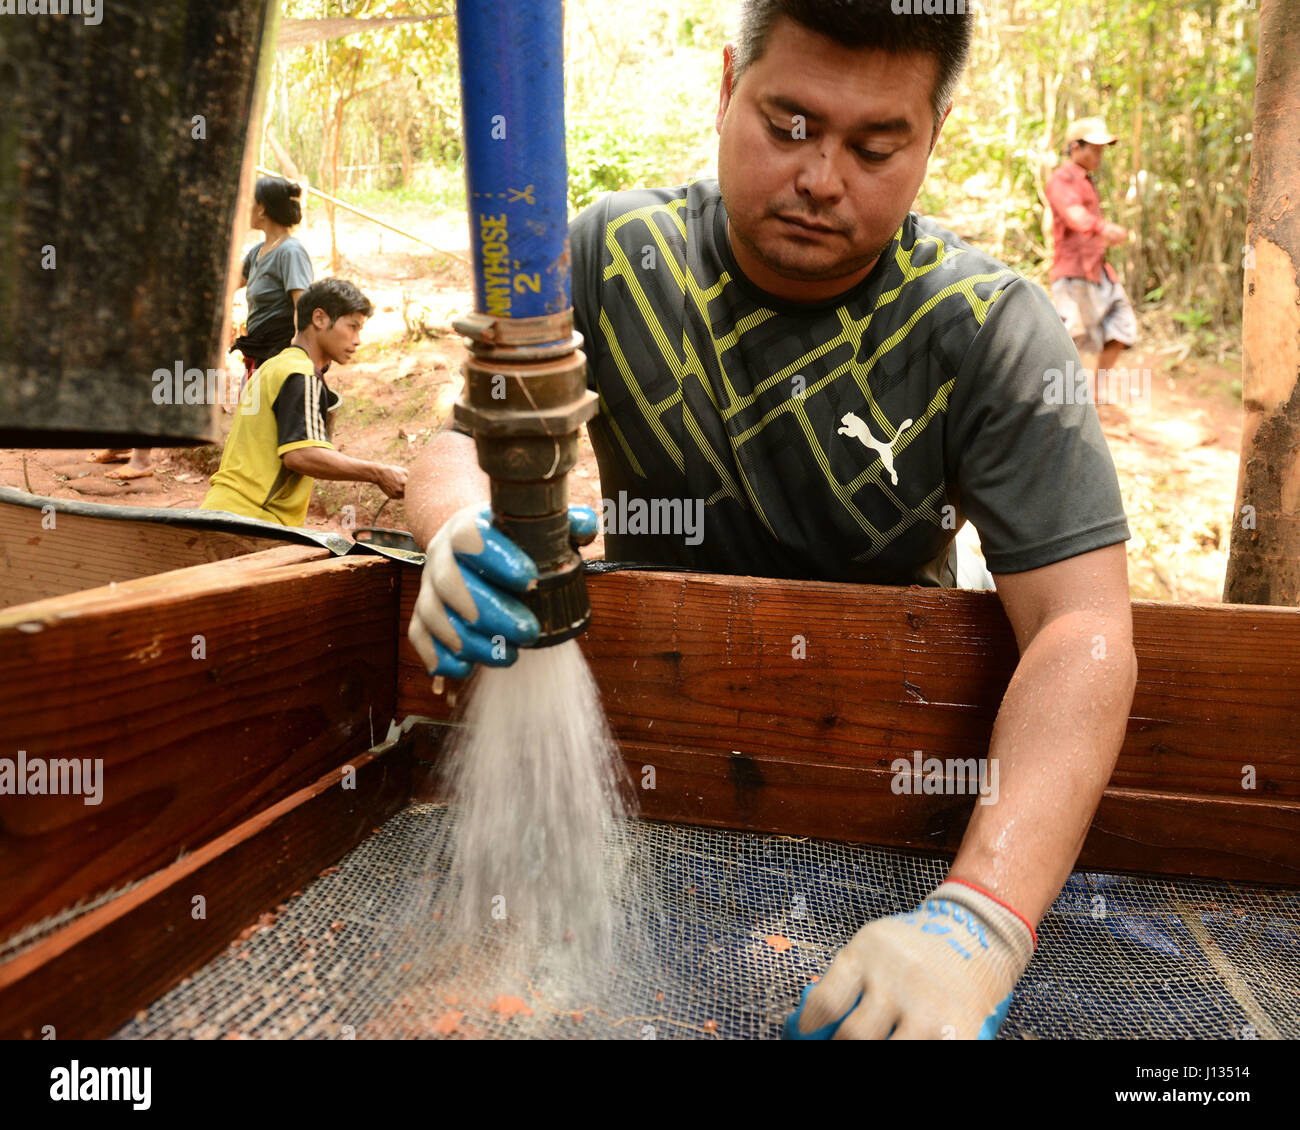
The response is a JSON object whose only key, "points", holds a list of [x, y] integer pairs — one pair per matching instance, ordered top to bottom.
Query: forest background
{"points": [[375, 118]]}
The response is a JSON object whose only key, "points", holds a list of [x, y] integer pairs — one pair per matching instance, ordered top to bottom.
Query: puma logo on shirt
{"points": [[856, 427]]}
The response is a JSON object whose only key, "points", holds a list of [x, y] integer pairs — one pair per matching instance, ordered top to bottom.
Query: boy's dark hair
{"points": [[897, 27], [280, 199], [337, 297]]}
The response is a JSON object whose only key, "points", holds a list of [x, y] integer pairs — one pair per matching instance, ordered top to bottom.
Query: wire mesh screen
{"points": [[719, 933]]}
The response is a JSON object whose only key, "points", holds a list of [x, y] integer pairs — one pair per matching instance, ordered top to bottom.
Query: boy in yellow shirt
{"points": [[280, 442]]}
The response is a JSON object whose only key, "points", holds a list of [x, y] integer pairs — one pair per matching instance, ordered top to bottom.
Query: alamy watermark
{"points": [[931, 7], [985, 9], [91, 11], [179, 385], [1129, 388], [676, 517], [60, 776], [949, 776], [76, 1083]]}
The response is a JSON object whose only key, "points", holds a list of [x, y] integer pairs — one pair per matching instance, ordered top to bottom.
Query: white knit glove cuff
{"points": [[1007, 933]]}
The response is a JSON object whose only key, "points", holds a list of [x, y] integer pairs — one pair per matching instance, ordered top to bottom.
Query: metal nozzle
{"points": [[524, 402]]}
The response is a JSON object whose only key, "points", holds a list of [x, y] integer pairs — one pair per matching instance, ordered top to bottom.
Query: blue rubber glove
{"points": [[467, 611], [988, 1030], [826, 1032]]}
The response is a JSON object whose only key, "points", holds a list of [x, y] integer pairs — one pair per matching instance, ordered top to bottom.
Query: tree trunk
{"points": [[336, 134], [336, 137], [404, 140], [286, 163], [320, 171], [1137, 279], [1264, 556]]}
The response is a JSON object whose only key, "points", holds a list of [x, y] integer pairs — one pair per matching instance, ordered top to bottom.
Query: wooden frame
{"points": [[39, 560], [207, 693], [773, 706], [779, 706], [74, 984]]}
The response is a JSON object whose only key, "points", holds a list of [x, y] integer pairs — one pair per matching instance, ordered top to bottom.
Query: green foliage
{"points": [[1174, 81], [398, 86], [641, 95], [607, 155], [601, 160], [437, 188]]}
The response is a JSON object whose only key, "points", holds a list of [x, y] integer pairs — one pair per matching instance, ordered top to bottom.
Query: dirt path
{"points": [[1176, 454], [1177, 463]]}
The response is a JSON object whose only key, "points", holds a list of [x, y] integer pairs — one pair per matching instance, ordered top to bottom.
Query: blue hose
{"points": [[512, 93]]}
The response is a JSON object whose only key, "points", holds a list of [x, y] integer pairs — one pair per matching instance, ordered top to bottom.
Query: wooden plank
{"points": [[39, 559], [112, 597], [710, 663], [693, 667], [206, 694], [1166, 833], [1237, 838], [1244, 840], [90, 977]]}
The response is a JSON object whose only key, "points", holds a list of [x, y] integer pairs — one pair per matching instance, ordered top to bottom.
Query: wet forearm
{"points": [[445, 478], [1056, 739]]}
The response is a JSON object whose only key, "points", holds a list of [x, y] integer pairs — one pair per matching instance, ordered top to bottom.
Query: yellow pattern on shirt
{"points": [[253, 480]]}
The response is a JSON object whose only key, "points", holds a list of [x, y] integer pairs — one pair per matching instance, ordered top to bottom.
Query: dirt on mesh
{"points": [[1176, 450]]}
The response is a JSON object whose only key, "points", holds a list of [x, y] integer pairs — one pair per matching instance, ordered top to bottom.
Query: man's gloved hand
{"points": [[465, 613], [942, 971]]}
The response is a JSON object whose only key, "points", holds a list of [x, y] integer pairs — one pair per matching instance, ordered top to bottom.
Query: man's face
{"points": [[822, 150], [1089, 155], [339, 341]]}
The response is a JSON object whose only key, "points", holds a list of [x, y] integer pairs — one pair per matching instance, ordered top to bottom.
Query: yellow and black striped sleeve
{"points": [[300, 411]]}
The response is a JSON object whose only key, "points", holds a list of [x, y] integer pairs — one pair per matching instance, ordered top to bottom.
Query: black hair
{"points": [[897, 27], [280, 199], [337, 297]]}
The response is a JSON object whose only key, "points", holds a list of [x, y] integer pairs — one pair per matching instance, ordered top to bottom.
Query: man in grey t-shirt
{"points": [[837, 381], [841, 440]]}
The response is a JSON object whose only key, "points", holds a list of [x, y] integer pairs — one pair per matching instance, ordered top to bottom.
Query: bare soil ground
{"points": [[1176, 454]]}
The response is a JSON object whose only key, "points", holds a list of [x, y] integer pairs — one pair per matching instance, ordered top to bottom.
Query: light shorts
{"points": [[1095, 313], [972, 573]]}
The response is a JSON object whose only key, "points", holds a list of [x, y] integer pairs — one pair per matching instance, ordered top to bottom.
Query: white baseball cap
{"points": [[1091, 130]]}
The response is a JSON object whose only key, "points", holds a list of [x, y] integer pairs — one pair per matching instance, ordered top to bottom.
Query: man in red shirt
{"points": [[1085, 288]]}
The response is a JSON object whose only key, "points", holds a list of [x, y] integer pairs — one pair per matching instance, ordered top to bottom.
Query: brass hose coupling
{"points": [[524, 400]]}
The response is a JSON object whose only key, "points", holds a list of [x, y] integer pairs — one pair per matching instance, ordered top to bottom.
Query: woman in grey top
{"points": [[276, 272]]}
